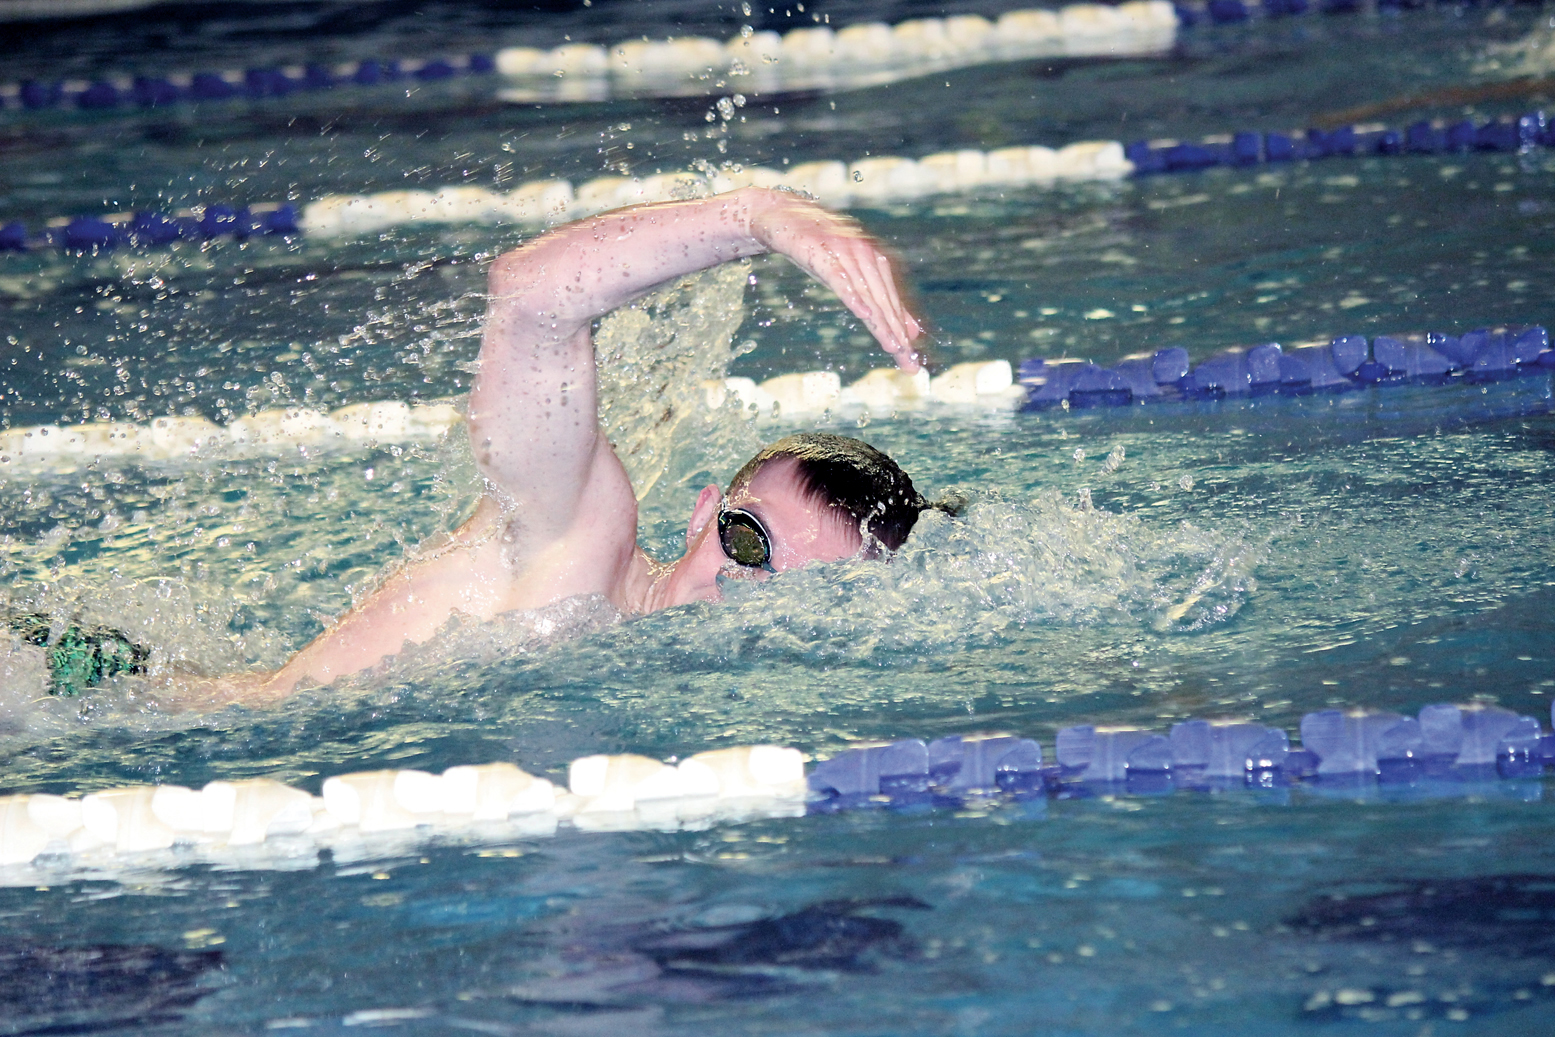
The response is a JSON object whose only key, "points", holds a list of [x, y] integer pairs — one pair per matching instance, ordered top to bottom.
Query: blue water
{"points": [[1386, 550]]}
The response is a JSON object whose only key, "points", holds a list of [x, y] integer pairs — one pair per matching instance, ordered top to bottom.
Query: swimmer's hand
{"points": [[839, 253]]}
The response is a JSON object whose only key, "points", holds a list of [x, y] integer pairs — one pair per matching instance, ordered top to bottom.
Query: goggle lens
{"points": [[744, 540]]}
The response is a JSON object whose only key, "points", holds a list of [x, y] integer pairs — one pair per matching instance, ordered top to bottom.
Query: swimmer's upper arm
{"points": [[533, 408]]}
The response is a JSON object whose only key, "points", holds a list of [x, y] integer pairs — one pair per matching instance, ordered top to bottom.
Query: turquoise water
{"points": [[1387, 550]]}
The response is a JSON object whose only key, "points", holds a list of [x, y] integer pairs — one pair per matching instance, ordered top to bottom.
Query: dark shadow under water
{"points": [[1493, 933], [87, 989]]}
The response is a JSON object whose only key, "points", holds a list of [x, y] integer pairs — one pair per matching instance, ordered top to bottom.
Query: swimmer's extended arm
{"points": [[533, 408], [560, 518]]}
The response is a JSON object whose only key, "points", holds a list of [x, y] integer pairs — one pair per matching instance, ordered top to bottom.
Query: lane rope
{"points": [[813, 57], [863, 183], [1344, 364], [1446, 749]]}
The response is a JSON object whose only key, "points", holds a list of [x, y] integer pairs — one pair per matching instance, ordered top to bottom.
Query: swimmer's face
{"points": [[799, 529]]}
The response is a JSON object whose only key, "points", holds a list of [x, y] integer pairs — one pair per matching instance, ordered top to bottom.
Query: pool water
{"points": [[1256, 559]]}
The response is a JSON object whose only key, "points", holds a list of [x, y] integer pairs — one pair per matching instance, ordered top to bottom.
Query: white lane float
{"points": [[820, 57], [872, 181], [983, 385], [178, 439], [232, 821]]}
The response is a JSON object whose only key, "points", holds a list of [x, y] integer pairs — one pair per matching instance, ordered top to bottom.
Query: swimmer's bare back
{"points": [[559, 517]]}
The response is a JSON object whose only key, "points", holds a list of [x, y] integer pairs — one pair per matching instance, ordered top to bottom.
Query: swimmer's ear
{"points": [[707, 505]]}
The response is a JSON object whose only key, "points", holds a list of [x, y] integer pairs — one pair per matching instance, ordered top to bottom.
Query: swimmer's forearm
{"points": [[559, 282], [548, 291]]}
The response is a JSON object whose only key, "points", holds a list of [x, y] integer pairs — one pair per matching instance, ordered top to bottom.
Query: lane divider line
{"points": [[813, 57], [820, 58], [862, 183], [1345, 364], [183, 439], [230, 822]]}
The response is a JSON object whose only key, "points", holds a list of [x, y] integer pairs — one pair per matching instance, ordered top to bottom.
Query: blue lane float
{"points": [[1192, 13], [252, 83], [1424, 137], [152, 229], [1347, 363], [1444, 743]]}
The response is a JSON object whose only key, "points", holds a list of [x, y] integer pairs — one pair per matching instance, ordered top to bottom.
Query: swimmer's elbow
{"points": [[515, 280], [539, 287]]}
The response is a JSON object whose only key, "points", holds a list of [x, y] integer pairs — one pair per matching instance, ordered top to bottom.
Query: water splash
{"points": [[653, 357], [977, 580]]}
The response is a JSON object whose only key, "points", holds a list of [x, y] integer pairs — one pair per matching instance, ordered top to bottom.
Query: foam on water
{"points": [[653, 357], [976, 580], [981, 580]]}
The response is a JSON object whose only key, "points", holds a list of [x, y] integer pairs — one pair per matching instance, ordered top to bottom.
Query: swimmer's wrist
{"points": [[751, 204], [760, 204]]}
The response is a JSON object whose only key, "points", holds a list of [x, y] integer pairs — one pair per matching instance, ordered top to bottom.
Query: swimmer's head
{"points": [[850, 476], [810, 497]]}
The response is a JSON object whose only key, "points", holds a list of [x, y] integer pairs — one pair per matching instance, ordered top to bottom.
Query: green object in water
{"points": [[82, 658]]}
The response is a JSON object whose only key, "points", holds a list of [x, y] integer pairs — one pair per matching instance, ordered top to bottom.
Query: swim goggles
{"points": [[744, 539]]}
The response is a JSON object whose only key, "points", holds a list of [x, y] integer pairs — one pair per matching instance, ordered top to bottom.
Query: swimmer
{"points": [[559, 518]]}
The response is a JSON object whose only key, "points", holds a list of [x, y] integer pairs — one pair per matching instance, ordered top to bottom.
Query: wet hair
{"points": [[849, 474]]}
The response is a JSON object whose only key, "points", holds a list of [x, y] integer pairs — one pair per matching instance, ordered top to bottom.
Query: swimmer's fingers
{"points": [[839, 253], [869, 272], [879, 272]]}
